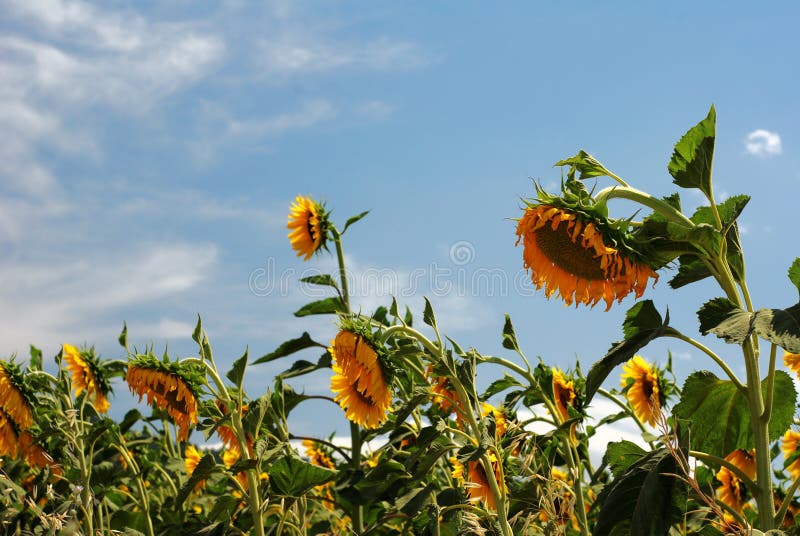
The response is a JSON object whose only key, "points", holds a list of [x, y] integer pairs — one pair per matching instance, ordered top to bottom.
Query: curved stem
{"points": [[643, 198], [710, 353], [767, 415], [715, 460]]}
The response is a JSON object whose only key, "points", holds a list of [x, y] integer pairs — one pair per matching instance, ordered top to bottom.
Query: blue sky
{"points": [[151, 151]]}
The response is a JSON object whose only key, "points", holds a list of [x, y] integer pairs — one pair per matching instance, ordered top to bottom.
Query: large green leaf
{"points": [[693, 157], [642, 324], [734, 325], [289, 347], [236, 374], [720, 415], [620, 455], [292, 476], [647, 499]]}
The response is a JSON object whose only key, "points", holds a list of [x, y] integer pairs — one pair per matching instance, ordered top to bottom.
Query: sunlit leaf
{"points": [[693, 156], [585, 164], [353, 219], [322, 307], [236, 374], [720, 416], [620, 455], [292, 476]]}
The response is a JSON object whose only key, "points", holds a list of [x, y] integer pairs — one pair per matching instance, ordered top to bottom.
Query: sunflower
{"points": [[308, 222], [579, 256], [792, 362], [86, 376], [359, 380], [167, 388], [643, 389], [563, 393], [444, 396], [15, 398], [501, 424], [228, 435], [9, 441], [789, 445], [34, 454], [316, 455], [191, 458], [476, 482], [732, 490], [558, 502]]}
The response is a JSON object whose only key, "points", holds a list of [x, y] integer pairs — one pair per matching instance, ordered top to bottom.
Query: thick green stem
{"points": [[643, 198], [767, 415]]}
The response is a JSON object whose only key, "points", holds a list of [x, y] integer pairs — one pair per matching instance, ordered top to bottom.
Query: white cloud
{"points": [[375, 110], [310, 114], [763, 143]]}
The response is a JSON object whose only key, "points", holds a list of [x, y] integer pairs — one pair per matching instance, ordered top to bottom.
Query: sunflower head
{"points": [[308, 225], [572, 248], [792, 362], [87, 375], [362, 379], [170, 386], [643, 387], [563, 393], [16, 398], [501, 424], [9, 436], [790, 445], [317, 454], [476, 481], [732, 490]]}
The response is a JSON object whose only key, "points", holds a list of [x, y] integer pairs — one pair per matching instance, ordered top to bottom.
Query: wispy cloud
{"points": [[309, 114], [763, 143]]}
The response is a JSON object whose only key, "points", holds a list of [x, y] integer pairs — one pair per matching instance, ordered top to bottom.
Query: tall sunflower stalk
{"points": [[574, 250]]}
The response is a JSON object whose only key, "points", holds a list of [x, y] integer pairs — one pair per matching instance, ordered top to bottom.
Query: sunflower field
{"points": [[720, 454]]}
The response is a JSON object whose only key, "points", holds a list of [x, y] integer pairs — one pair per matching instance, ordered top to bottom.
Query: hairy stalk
{"points": [[643, 198], [355, 432], [144, 499]]}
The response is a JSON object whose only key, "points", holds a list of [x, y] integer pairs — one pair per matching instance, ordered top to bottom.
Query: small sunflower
{"points": [[308, 222], [579, 254], [792, 362], [87, 376], [360, 381], [169, 387], [643, 389], [563, 393], [444, 396], [15, 397], [501, 424], [227, 434], [9, 440], [790, 443], [34, 454], [316, 455], [229, 458], [191, 459], [476, 482], [732, 490]]}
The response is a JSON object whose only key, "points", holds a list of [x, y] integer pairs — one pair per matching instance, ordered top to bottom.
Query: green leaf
{"points": [[693, 157], [586, 165], [350, 221], [690, 270], [794, 273], [321, 279], [322, 307], [427, 315], [724, 319], [642, 324], [734, 325], [780, 326], [197, 334], [123, 336], [509, 336], [289, 347], [36, 358], [302, 367], [236, 374], [498, 386], [720, 415], [620, 455], [205, 467], [292, 476], [645, 496]]}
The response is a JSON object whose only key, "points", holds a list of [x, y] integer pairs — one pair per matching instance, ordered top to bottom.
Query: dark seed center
{"points": [[566, 254]]}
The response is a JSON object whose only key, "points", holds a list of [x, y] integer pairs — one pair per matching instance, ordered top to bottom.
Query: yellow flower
{"points": [[308, 224], [569, 255], [792, 362], [85, 377], [359, 381], [643, 389], [167, 391], [563, 393], [13, 399], [501, 425], [8, 437], [789, 445], [35, 455], [316, 455], [191, 457], [230, 457], [476, 481], [732, 489], [559, 504]]}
